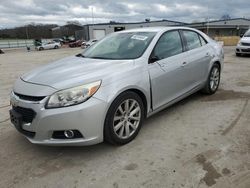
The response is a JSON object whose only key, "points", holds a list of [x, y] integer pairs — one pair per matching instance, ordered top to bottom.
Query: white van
{"points": [[243, 46]]}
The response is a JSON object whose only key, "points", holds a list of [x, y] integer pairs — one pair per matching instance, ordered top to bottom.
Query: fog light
{"points": [[69, 134]]}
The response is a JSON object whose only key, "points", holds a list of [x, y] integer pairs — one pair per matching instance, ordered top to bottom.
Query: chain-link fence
{"points": [[15, 43], [18, 43]]}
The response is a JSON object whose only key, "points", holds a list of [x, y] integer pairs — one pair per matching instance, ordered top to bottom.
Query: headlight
{"points": [[73, 96]]}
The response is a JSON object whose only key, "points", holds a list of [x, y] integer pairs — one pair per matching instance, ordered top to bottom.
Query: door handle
{"points": [[207, 54], [162, 64], [184, 64]]}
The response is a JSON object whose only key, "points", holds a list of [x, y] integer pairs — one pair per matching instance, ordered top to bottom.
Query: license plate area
{"points": [[16, 119]]}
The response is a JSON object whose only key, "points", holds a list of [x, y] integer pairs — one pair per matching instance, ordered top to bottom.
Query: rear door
{"points": [[52, 45], [46, 46], [199, 55]]}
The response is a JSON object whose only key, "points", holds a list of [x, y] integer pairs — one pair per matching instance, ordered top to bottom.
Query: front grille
{"points": [[245, 44], [245, 50], [29, 98], [27, 114]]}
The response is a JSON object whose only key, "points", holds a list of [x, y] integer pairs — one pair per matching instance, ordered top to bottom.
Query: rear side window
{"points": [[192, 39], [168, 45]]}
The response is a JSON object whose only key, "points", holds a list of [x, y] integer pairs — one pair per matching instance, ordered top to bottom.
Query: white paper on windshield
{"points": [[139, 37]]}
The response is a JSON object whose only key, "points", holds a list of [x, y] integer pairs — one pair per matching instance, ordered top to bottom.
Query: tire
{"points": [[56, 47], [41, 48], [238, 54], [214, 77], [120, 126]]}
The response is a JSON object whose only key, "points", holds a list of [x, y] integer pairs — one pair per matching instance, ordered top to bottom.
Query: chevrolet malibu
{"points": [[105, 93]]}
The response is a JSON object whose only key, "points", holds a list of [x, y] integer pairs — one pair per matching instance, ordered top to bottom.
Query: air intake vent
{"points": [[27, 114]]}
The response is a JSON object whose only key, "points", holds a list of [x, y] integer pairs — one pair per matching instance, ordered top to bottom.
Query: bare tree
{"points": [[225, 17], [31, 31]]}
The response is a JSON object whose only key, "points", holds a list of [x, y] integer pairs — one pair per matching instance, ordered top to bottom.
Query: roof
{"points": [[225, 21], [123, 23], [197, 24], [144, 29], [154, 29]]}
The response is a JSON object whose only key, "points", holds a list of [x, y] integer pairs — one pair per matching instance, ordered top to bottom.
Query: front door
{"points": [[168, 73]]}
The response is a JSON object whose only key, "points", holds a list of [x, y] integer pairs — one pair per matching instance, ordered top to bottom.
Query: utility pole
{"points": [[92, 10], [207, 25], [27, 36], [28, 48]]}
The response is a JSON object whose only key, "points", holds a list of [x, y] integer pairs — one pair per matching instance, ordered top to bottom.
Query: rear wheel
{"points": [[56, 47], [41, 48], [213, 80], [124, 119]]}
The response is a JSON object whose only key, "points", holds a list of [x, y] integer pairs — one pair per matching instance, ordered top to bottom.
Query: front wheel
{"points": [[238, 54], [213, 80], [124, 119]]}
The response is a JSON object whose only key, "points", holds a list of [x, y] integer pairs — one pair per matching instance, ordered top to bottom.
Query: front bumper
{"points": [[242, 49], [87, 118]]}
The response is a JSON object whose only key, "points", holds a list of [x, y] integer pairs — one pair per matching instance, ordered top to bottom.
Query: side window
{"points": [[192, 39], [203, 41], [168, 45]]}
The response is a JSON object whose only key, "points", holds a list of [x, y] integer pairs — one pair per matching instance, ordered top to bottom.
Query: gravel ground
{"points": [[202, 141]]}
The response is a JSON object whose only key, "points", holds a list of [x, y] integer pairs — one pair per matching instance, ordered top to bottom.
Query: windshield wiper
{"points": [[80, 55], [97, 57]]}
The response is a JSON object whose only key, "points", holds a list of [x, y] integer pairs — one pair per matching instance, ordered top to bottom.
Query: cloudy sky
{"points": [[20, 12]]}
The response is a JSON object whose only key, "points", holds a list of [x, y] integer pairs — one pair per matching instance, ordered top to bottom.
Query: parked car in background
{"points": [[59, 40], [67, 40], [77, 43], [90, 43], [49, 45], [83, 45], [243, 46], [106, 92]]}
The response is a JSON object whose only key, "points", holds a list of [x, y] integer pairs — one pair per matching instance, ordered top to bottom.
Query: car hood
{"points": [[74, 71]]}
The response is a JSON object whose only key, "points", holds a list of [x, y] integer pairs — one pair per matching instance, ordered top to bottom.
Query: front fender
{"points": [[139, 81]]}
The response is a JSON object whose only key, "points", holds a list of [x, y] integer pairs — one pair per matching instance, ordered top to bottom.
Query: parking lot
{"points": [[202, 141]]}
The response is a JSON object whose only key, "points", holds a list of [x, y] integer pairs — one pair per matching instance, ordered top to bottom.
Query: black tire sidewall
{"points": [[109, 134]]}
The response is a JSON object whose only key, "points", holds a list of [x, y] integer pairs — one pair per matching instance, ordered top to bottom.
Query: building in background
{"points": [[229, 27], [97, 31]]}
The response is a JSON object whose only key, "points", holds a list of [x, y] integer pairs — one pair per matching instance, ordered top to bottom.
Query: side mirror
{"points": [[241, 35], [153, 59]]}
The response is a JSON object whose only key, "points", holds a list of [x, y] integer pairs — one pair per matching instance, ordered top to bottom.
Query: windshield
{"points": [[247, 34], [120, 46]]}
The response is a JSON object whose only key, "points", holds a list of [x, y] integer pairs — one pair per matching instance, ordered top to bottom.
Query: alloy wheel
{"points": [[214, 78], [127, 118]]}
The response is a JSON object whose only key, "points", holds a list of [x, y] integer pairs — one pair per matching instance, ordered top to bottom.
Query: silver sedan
{"points": [[105, 93]]}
